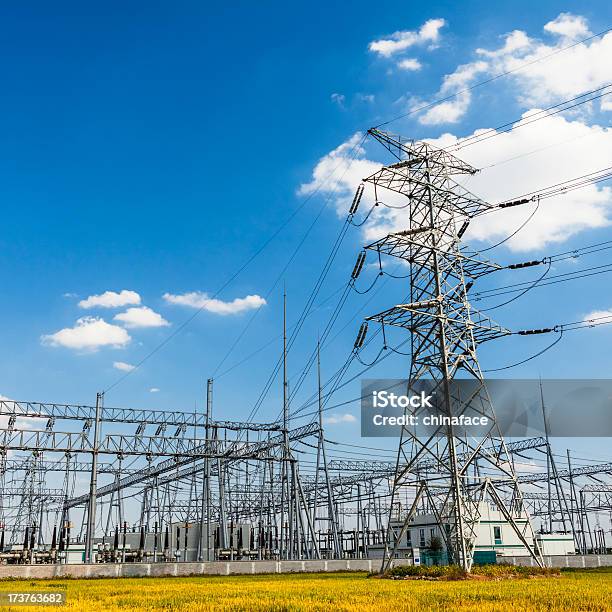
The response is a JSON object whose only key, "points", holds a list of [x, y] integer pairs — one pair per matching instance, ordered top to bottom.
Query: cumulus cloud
{"points": [[569, 26], [515, 41], [397, 42], [409, 63], [583, 67], [539, 73], [455, 86], [571, 145], [575, 146], [340, 171], [111, 299], [201, 300], [142, 316], [593, 317], [90, 334], [123, 366], [153, 390], [334, 419]]}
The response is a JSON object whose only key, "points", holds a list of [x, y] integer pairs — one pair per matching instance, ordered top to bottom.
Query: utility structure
{"points": [[464, 472]]}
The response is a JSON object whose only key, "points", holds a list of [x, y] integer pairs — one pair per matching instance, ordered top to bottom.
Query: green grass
{"points": [[575, 590]]}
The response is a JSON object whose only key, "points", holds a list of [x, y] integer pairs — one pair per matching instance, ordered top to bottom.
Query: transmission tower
{"points": [[463, 472]]}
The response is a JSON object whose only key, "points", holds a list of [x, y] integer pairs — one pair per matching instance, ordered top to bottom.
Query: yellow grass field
{"points": [[580, 590]]}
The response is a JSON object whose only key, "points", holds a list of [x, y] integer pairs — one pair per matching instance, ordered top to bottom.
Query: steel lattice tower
{"points": [[452, 476]]}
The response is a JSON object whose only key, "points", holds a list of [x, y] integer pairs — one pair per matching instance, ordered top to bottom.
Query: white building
{"points": [[493, 533]]}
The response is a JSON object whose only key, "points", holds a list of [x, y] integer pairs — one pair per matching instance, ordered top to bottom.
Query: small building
{"points": [[494, 534], [556, 543]]}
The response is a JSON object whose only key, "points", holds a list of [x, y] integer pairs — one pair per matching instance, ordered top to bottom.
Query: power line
{"points": [[494, 78], [516, 124], [550, 191], [517, 230], [235, 275], [551, 280], [529, 287], [560, 328], [276, 337], [534, 356]]}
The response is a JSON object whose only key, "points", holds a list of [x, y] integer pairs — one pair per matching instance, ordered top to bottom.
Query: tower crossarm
{"points": [[417, 153], [401, 179], [412, 246], [418, 315], [81, 412], [265, 449], [597, 488]]}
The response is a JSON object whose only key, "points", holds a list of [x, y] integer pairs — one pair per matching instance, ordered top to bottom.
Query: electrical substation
{"points": [[101, 485]]}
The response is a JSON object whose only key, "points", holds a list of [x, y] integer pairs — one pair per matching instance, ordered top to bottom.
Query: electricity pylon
{"points": [[453, 474]]}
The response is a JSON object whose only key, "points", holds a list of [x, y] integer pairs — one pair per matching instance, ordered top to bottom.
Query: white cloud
{"points": [[569, 26], [515, 41], [397, 42], [409, 63], [564, 75], [558, 76], [455, 85], [339, 99], [575, 146], [340, 171], [559, 217], [111, 299], [198, 299], [598, 314], [142, 316], [88, 333], [123, 366], [153, 390], [334, 419]]}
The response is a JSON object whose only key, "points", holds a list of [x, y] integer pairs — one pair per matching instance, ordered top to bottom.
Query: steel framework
{"points": [[445, 331]]}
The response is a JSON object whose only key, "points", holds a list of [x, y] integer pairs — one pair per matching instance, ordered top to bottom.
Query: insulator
{"points": [[356, 199], [514, 203], [463, 228], [411, 232], [525, 264], [358, 265], [468, 286], [421, 305], [363, 330], [531, 332]]}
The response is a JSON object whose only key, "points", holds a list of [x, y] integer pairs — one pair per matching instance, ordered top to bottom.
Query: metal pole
{"points": [[548, 458], [93, 484], [285, 491], [573, 500], [205, 511], [333, 519]]}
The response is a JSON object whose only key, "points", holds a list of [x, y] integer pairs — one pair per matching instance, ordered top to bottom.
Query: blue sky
{"points": [[153, 148]]}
